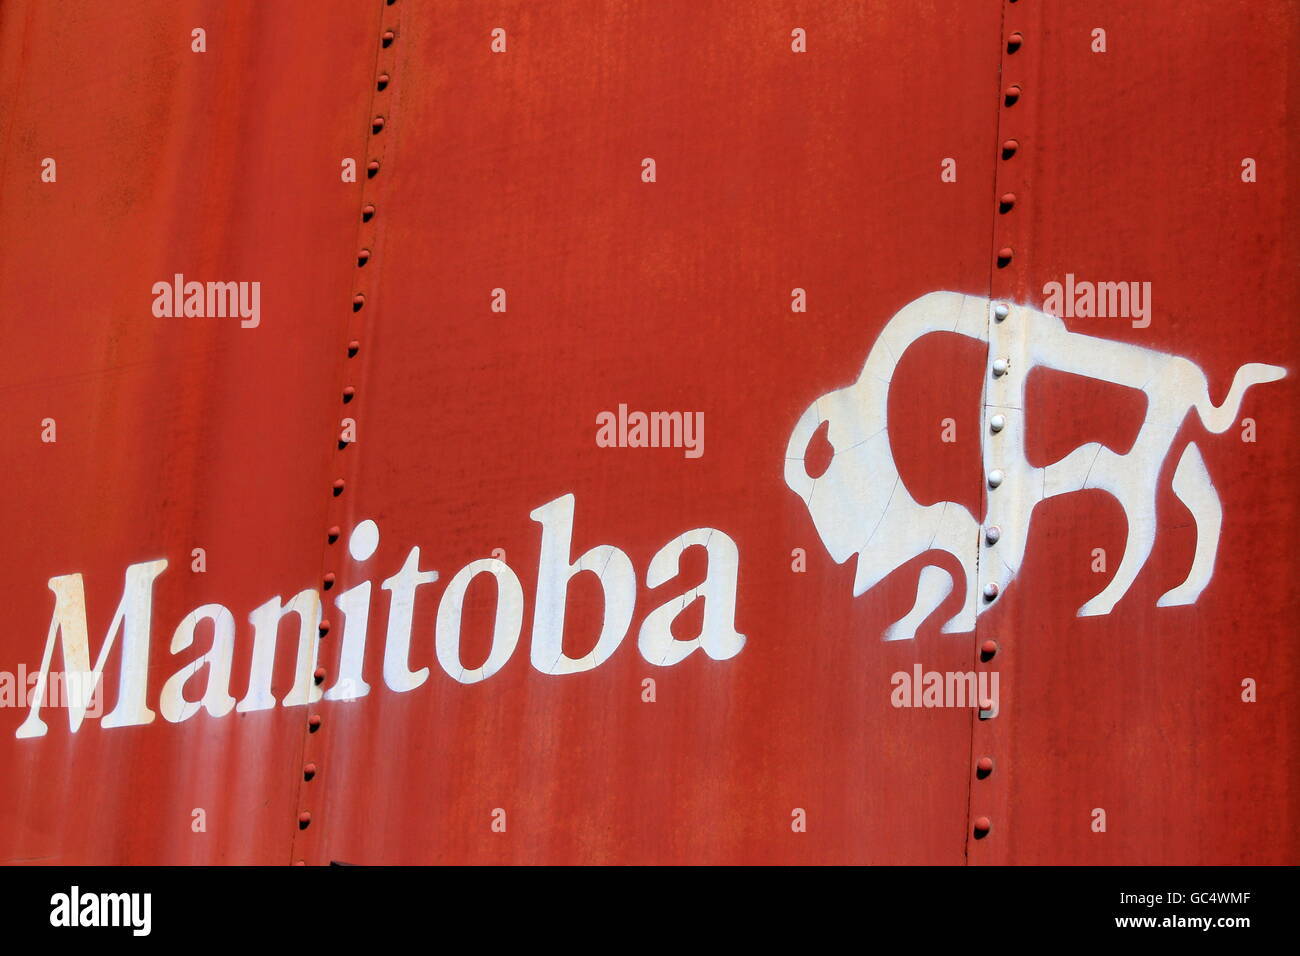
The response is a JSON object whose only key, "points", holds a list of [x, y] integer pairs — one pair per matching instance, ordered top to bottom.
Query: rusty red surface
{"points": [[521, 169]]}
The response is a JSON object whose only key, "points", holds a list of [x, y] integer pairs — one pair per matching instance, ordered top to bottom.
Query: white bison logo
{"points": [[861, 506]]}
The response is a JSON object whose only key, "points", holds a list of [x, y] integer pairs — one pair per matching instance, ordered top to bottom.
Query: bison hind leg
{"points": [[1193, 487]]}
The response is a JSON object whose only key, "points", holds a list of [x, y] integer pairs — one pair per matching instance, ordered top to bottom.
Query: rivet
{"points": [[388, 37], [1015, 41], [382, 81], [1011, 94], [377, 124], [1009, 148], [372, 168], [1006, 201], [367, 212], [1005, 255], [363, 257], [358, 302], [1001, 311], [353, 348], [999, 366], [349, 393], [997, 423], [995, 477], [338, 486], [333, 533], [992, 534], [328, 581], [990, 591], [324, 627], [989, 647], [320, 675], [987, 709], [313, 722], [985, 765], [308, 771], [304, 819], [982, 827], [299, 862]]}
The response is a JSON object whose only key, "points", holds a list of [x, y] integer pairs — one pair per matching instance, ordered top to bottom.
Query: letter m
{"points": [[1109, 296], [69, 622]]}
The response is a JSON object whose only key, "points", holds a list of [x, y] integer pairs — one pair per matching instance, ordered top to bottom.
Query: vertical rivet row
{"points": [[378, 121], [1000, 424]]}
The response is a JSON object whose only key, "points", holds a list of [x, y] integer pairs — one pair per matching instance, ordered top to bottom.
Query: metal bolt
{"points": [[1000, 311], [1000, 366], [997, 423], [995, 477], [992, 534], [990, 591], [989, 647], [314, 721], [985, 764], [982, 826]]}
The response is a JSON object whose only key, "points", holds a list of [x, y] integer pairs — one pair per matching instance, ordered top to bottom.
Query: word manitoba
{"points": [[209, 300], [1099, 300], [651, 430], [618, 580]]}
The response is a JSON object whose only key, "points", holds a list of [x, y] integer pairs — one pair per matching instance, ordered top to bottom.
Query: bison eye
{"points": [[817, 456]]}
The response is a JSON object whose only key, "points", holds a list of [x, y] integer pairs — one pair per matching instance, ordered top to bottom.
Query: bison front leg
{"points": [[907, 530], [932, 588]]}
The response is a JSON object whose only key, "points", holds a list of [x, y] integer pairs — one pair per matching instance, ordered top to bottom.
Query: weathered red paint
{"points": [[521, 171]]}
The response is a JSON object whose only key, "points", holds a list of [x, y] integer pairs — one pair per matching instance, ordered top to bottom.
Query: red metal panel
{"points": [[1131, 169], [522, 171], [501, 276], [172, 433]]}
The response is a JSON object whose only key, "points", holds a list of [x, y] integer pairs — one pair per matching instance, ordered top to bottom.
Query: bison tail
{"points": [[1219, 418]]}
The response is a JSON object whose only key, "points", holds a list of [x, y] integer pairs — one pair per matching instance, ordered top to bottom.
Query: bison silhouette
{"points": [[861, 506]]}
